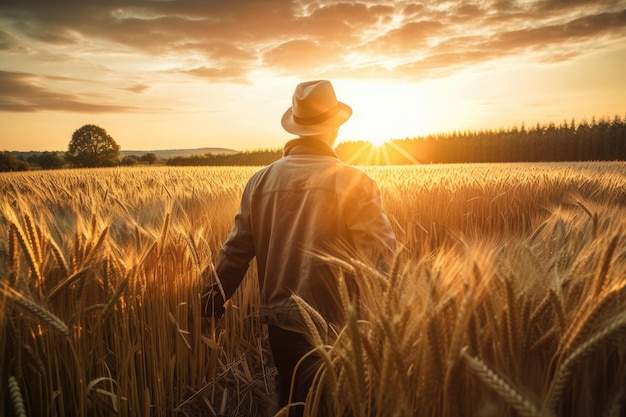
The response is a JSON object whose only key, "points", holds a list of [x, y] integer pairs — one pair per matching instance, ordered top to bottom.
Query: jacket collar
{"points": [[308, 146]]}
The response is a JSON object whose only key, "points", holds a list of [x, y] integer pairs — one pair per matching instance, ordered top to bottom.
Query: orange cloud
{"points": [[229, 40], [21, 93]]}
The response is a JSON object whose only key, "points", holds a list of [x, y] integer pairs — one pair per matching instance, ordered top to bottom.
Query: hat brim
{"points": [[327, 125]]}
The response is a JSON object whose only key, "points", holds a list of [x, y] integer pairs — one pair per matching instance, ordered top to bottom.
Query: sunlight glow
{"points": [[381, 111], [378, 141]]}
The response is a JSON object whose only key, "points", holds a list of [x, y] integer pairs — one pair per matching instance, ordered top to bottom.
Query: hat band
{"points": [[316, 119]]}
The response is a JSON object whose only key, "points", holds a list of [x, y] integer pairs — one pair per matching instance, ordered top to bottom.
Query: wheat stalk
{"points": [[390, 328], [435, 349], [356, 365]]}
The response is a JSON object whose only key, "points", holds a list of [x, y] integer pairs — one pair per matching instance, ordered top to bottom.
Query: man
{"points": [[302, 206]]}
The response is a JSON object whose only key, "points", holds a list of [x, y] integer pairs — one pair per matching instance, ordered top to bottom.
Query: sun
{"points": [[381, 111], [386, 111], [377, 140]]}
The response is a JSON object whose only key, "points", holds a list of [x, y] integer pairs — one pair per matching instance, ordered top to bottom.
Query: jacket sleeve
{"points": [[369, 226], [232, 263]]}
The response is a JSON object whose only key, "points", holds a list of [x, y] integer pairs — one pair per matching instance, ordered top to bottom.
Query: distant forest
{"points": [[598, 140]]}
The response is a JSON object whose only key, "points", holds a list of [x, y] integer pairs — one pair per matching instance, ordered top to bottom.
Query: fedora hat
{"points": [[314, 109]]}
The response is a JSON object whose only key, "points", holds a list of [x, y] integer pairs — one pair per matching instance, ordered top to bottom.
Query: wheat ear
{"points": [[582, 206], [164, 230], [536, 233], [33, 237], [97, 246], [28, 250], [194, 250], [13, 253], [58, 255], [599, 282], [65, 283], [115, 297], [557, 307], [34, 309], [308, 314], [512, 322], [583, 325], [460, 326], [614, 326], [16, 397], [513, 397]]}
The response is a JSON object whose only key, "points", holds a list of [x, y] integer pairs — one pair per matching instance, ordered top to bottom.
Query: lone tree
{"points": [[91, 146]]}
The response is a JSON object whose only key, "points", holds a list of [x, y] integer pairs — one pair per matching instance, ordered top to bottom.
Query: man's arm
{"points": [[369, 227], [232, 263]]}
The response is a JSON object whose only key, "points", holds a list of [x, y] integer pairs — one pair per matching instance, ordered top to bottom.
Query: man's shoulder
{"points": [[315, 165]]}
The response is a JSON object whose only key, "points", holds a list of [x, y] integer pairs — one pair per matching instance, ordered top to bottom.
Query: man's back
{"points": [[306, 204]]}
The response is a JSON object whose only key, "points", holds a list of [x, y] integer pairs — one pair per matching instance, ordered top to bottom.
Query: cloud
{"points": [[570, 4], [576, 30], [226, 41], [8, 42], [301, 54], [216, 73], [137, 88], [21, 93]]}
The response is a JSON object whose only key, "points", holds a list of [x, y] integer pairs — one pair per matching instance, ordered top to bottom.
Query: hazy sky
{"points": [[162, 74]]}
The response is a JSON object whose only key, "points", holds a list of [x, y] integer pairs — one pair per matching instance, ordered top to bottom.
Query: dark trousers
{"points": [[287, 349]]}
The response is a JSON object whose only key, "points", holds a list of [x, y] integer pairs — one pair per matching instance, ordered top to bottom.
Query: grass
{"points": [[506, 299]]}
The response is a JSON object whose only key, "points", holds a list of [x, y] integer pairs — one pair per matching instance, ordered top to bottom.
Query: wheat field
{"points": [[507, 298]]}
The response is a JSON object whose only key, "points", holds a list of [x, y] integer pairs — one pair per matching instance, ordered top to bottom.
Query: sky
{"points": [[167, 74]]}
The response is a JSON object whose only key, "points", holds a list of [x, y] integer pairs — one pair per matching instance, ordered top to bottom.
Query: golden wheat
{"points": [[524, 263]]}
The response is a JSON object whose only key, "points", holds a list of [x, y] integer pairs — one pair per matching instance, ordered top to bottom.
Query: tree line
{"points": [[598, 140]]}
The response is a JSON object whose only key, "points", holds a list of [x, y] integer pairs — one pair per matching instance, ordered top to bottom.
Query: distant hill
{"points": [[171, 153], [161, 154]]}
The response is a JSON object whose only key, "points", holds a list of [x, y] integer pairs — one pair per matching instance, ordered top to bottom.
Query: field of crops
{"points": [[508, 297]]}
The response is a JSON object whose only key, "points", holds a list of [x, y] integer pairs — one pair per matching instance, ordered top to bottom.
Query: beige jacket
{"points": [[305, 204]]}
